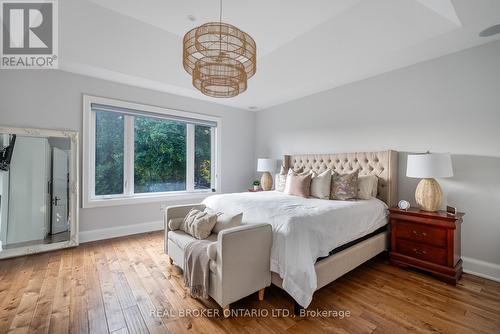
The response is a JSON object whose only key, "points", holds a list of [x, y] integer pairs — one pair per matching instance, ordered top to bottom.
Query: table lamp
{"points": [[266, 166], [427, 166]]}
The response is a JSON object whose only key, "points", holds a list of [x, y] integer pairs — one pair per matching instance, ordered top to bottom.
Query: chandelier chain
{"points": [[220, 27]]}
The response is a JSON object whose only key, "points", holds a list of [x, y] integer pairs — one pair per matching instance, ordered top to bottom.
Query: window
{"points": [[109, 153], [138, 153], [202, 157]]}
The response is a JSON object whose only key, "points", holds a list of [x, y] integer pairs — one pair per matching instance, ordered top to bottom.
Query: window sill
{"points": [[144, 199]]}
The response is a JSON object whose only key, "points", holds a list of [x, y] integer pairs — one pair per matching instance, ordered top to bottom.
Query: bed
{"points": [[308, 234]]}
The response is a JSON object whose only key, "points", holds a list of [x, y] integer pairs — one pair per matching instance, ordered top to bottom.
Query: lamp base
{"points": [[266, 181], [429, 195]]}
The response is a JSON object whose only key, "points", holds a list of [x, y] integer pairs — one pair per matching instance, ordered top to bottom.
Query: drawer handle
{"points": [[422, 234], [419, 252]]}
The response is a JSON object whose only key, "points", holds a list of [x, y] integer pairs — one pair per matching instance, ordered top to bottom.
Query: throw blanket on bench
{"points": [[197, 268]]}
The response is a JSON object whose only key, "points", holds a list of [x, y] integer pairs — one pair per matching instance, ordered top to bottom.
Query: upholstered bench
{"points": [[239, 257]]}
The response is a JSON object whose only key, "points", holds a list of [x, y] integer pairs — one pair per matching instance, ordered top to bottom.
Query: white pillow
{"points": [[281, 180], [320, 184], [366, 186], [226, 220]]}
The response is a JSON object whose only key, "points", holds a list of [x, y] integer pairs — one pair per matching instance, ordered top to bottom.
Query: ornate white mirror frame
{"points": [[73, 191]]}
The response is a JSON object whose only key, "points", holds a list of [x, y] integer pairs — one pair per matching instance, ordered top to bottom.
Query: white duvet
{"points": [[304, 229]]}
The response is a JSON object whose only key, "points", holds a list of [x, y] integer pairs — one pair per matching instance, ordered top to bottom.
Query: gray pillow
{"points": [[344, 186], [366, 186], [227, 220], [175, 223], [198, 223]]}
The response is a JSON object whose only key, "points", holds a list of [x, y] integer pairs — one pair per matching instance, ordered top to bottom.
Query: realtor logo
{"points": [[29, 34]]}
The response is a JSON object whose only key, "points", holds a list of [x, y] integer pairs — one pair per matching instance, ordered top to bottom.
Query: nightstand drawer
{"points": [[420, 233], [422, 251]]}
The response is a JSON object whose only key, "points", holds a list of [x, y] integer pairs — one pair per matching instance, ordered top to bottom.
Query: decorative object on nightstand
{"points": [[266, 166], [427, 166], [256, 185], [403, 205], [451, 210], [429, 241]]}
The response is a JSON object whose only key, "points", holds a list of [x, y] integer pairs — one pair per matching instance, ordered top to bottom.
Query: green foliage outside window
{"points": [[109, 132], [160, 155], [202, 157]]}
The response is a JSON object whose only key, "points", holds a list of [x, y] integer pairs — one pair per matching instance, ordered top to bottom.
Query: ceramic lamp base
{"points": [[266, 181], [429, 195]]}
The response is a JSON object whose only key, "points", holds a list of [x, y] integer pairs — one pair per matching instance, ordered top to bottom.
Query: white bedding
{"points": [[304, 229]]}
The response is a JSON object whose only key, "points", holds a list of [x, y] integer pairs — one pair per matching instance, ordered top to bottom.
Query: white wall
{"points": [[53, 99], [450, 104]]}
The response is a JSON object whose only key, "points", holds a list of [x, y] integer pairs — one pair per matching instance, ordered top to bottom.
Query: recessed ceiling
{"points": [[286, 19], [303, 47]]}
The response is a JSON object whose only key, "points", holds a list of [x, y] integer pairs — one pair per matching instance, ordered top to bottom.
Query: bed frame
{"points": [[384, 165]]}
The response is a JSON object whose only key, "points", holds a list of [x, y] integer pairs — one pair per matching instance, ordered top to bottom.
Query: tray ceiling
{"points": [[304, 47]]}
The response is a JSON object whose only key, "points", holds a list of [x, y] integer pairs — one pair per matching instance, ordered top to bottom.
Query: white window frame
{"points": [[89, 198]]}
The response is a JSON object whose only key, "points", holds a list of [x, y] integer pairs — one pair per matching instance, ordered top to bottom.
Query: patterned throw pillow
{"points": [[281, 180], [344, 186], [198, 223]]}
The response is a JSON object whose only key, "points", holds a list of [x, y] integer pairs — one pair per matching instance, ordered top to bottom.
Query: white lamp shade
{"points": [[266, 165], [429, 165]]}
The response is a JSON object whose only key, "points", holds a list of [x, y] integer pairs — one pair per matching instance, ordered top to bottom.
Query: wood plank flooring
{"points": [[126, 285]]}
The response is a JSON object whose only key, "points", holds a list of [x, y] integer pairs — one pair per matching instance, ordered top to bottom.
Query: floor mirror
{"points": [[38, 190]]}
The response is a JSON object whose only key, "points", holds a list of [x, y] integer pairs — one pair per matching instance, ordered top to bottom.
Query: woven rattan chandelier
{"points": [[220, 58]]}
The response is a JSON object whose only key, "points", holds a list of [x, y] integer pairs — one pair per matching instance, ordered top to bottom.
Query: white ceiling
{"points": [[303, 47]]}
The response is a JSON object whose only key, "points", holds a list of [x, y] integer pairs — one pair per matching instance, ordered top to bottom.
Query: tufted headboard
{"points": [[383, 164]]}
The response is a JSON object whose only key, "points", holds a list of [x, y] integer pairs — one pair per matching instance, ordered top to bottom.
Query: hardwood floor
{"points": [[115, 286]]}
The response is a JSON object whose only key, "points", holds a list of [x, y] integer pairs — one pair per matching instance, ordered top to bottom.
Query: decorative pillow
{"points": [[299, 171], [281, 180], [320, 184], [366, 184], [298, 185], [344, 186], [375, 186], [226, 220], [175, 223], [198, 223]]}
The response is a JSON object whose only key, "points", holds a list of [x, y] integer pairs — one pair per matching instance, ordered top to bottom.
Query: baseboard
{"points": [[119, 231], [481, 268]]}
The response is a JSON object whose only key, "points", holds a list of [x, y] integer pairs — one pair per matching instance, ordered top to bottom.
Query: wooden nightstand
{"points": [[428, 241]]}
